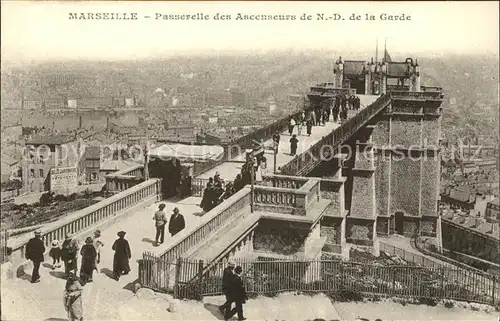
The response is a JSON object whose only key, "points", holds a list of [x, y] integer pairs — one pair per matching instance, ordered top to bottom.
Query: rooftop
{"points": [[51, 139], [474, 223]]}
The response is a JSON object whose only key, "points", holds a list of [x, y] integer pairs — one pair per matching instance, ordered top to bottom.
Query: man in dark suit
{"points": [[177, 222], [34, 252], [227, 279], [238, 294]]}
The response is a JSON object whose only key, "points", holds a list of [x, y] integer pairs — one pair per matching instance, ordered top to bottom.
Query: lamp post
{"points": [[275, 156], [252, 173]]}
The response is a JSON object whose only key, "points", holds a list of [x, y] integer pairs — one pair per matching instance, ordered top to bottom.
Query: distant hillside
{"points": [[470, 83]]}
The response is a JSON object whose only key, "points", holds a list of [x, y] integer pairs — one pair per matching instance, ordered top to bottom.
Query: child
{"points": [[98, 245], [55, 254]]}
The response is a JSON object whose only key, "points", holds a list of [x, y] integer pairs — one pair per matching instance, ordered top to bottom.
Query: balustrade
{"points": [[275, 196], [96, 213], [212, 220]]}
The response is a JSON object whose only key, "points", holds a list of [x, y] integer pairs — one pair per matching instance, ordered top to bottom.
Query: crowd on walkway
{"points": [[216, 190], [67, 252]]}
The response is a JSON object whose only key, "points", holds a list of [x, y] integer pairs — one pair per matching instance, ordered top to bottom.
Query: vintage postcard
{"points": [[266, 160]]}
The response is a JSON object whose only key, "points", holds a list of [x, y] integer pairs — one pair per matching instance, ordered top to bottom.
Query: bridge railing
{"points": [[417, 94], [240, 144], [313, 156], [125, 178], [284, 181], [275, 196], [88, 217], [212, 220]]}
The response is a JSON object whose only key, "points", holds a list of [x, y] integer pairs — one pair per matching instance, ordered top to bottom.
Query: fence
{"points": [[4, 249], [336, 277]]}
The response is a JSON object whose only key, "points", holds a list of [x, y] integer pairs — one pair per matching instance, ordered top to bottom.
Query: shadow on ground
{"points": [[148, 240], [108, 273], [58, 274], [131, 286], [214, 309], [55, 319]]}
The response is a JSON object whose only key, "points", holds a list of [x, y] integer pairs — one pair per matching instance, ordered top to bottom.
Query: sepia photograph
{"points": [[259, 160]]}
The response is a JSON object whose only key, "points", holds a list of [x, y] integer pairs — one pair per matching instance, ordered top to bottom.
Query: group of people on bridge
{"points": [[216, 191], [68, 252]]}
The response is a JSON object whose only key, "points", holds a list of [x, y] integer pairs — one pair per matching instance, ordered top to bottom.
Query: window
{"points": [[32, 172], [40, 172]]}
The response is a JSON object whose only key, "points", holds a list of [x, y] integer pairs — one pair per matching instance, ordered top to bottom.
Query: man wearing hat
{"points": [[160, 221], [177, 222], [34, 252], [69, 253], [122, 256], [227, 280]]}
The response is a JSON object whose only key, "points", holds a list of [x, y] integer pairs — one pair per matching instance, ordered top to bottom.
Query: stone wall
{"points": [[405, 132], [430, 132], [380, 135], [382, 181], [405, 185], [430, 185], [382, 226], [411, 226], [428, 226], [331, 228], [359, 230], [270, 237], [469, 242]]}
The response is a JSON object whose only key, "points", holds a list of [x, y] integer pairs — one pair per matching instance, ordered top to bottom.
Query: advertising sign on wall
{"points": [[62, 178]]}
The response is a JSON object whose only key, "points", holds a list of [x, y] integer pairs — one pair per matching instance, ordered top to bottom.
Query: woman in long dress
{"points": [[122, 256], [89, 257], [73, 298]]}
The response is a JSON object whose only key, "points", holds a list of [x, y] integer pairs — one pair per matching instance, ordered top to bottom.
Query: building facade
{"points": [[44, 153]]}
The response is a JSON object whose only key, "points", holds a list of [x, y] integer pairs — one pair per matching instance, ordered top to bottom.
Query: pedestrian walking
{"points": [[291, 125], [299, 127], [309, 127], [276, 140], [293, 145], [208, 198], [160, 221], [176, 223], [98, 244], [34, 252], [69, 253], [55, 254], [122, 256], [89, 257], [227, 280], [237, 294], [73, 303]]}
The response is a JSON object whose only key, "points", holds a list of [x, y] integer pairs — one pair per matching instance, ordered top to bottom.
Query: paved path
{"points": [[229, 170], [104, 298], [22, 300]]}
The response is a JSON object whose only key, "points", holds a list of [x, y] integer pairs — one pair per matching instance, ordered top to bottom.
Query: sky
{"points": [[43, 30]]}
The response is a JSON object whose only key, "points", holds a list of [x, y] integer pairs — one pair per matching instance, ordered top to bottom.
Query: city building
{"points": [[47, 152], [492, 213]]}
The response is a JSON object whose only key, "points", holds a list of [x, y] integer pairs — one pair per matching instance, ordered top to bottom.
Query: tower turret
{"points": [[369, 70], [338, 73], [383, 77], [415, 77]]}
